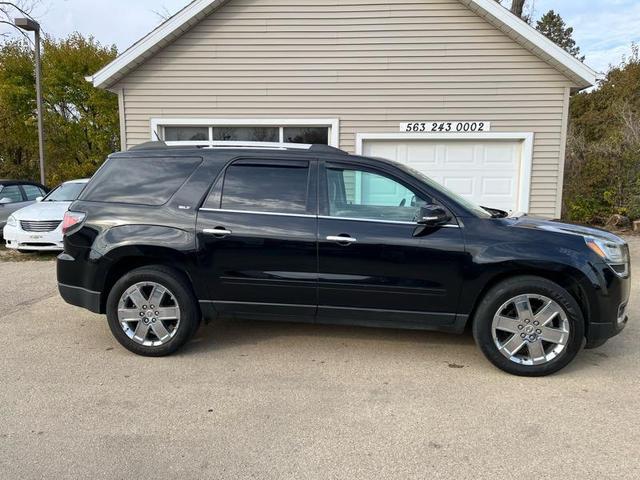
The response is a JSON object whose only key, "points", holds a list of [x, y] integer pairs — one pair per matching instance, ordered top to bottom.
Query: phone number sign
{"points": [[445, 127]]}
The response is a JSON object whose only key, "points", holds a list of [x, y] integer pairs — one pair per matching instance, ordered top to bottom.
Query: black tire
{"points": [[527, 285], [179, 286]]}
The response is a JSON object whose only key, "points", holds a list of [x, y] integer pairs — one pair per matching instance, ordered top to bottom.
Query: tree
{"points": [[517, 8], [553, 27], [81, 122], [602, 174]]}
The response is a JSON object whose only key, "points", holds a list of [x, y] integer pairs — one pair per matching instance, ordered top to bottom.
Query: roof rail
{"points": [[260, 145], [150, 146], [319, 148]]}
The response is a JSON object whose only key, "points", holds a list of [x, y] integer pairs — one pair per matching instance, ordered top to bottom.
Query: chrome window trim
{"points": [[252, 212], [323, 217], [352, 219], [393, 222]]}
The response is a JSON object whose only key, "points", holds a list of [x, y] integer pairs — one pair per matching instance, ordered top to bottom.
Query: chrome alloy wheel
{"points": [[149, 314], [530, 329]]}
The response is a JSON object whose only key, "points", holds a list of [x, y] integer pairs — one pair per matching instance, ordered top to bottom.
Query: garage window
{"points": [[186, 134], [246, 134], [208, 135]]}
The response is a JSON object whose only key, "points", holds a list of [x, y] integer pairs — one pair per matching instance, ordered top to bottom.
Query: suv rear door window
{"points": [[140, 180], [269, 188]]}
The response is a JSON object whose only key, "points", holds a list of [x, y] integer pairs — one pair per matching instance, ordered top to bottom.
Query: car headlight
{"points": [[12, 222], [615, 254]]}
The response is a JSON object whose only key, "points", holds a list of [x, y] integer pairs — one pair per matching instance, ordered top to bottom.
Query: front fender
{"points": [[571, 268]]}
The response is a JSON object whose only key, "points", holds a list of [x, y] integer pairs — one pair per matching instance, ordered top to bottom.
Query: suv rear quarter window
{"points": [[140, 180]]}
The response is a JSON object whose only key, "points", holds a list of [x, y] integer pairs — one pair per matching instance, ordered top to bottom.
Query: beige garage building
{"points": [[460, 89]]}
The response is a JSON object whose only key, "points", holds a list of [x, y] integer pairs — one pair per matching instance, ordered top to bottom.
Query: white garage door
{"points": [[488, 172]]}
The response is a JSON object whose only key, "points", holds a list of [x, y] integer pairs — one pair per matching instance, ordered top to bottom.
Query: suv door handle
{"points": [[217, 232], [342, 239]]}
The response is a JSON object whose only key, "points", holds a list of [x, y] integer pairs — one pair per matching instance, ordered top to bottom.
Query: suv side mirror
{"points": [[39, 199], [5, 200], [433, 216]]}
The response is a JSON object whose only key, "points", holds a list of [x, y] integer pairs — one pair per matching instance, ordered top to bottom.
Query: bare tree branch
{"points": [[24, 7], [20, 9], [163, 13], [18, 30]]}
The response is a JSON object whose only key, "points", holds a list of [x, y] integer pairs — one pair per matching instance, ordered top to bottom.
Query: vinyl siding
{"points": [[370, 63]]}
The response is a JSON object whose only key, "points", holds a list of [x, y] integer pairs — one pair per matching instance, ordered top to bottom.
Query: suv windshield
{"points": [[67, 192], [472, 207]]}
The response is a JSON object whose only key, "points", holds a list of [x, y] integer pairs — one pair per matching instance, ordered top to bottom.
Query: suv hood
{"points": [[43, 211], [565, 228]]}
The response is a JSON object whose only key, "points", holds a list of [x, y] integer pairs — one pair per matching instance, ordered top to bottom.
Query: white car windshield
{"points": [[67, 192]]}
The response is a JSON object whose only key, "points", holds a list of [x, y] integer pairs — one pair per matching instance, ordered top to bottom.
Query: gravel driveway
{"points": [[262, 400]]}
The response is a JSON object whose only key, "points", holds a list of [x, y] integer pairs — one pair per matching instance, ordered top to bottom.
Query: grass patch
{"points": [[7, 255]]}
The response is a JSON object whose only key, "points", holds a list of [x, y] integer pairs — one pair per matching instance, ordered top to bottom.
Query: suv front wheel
{"points": [[152, 311], [529, 326]]}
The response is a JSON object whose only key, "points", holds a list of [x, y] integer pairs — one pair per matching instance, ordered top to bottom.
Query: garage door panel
{"points": [[426, 154], [461, 155], [501, 155], [486, 172], [462, 185], [504, 187]]}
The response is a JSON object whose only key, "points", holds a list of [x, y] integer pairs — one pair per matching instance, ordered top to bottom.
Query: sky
{"points": [[604, 30]]}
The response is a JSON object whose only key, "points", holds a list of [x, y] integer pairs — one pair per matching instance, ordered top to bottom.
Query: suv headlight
{"points": [[11, 221], [615, 254]]}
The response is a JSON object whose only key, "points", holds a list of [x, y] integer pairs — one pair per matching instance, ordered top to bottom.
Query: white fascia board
{"points": [[536, 39], [136, 53]]}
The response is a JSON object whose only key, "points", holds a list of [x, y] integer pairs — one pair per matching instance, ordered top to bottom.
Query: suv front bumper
{"points": [[610, 314]]}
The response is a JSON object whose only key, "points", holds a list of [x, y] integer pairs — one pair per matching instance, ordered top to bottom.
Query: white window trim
{"points": [[158, 123], [526, 161]]}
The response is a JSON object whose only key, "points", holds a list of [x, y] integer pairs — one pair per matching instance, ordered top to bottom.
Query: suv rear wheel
{"points": [[152, 311], [529, 326]]}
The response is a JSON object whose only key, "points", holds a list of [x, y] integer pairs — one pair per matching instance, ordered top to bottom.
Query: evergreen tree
{"points": [[553, 27]]}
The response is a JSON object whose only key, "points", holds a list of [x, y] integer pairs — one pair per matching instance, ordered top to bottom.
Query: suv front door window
{"points": [[362, 194]]}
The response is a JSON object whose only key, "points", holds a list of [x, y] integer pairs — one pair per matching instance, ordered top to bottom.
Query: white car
{"points": [[38, 227]]}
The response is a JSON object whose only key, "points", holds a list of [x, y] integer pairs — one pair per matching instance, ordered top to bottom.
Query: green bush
{"points": [[602, 174]]}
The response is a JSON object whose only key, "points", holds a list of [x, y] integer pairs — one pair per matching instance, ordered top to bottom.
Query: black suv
{"points": [[163, 237]]}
